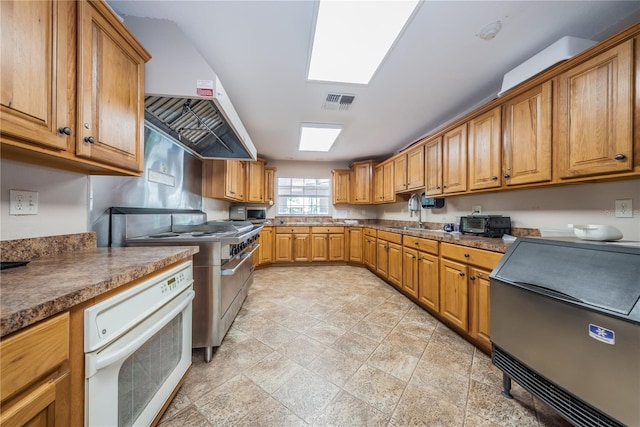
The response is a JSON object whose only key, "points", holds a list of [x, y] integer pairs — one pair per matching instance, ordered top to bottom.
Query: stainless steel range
{"points": [[222, 270]]}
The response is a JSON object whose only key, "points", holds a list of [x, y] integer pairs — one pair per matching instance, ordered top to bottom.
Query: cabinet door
{"points": [[110, 91], [37, 94], [593, 121], [527, 137], [484, 150], [454, 160], [433, 167], [415, 168], [400, 173], [255, 182], [378, 184], [269, 185], [340, 186], [362, 187], [388, 193], [283, 245], [355, 245], [266, 246], [302, 247], [319, 247], [336, 247], [369, 252], [382, 258], [395, 264], [410, 272], [428, 281], [454, 293], [479, 327]]}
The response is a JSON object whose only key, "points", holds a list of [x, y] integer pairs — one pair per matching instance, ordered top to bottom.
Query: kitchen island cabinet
{"points": [[73, 93]]}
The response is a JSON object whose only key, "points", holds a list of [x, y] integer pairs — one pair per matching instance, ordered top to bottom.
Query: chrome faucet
{"points": [[414, 206]]}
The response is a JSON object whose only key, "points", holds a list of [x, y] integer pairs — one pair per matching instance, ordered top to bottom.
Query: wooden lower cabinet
{"points": [[282, 244], [327, 244], [355, 244], [301, 247], [336, 247], [369, 249], [265, 251], [389, 257], [395, 264], [410, 272], [465, 290], [454, 293], [479, 310], [35, 376]]}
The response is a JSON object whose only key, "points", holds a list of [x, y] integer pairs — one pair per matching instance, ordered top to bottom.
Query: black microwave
{"points": [[485, 225]]}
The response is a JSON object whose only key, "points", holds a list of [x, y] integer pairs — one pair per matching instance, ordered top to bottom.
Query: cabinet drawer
{"points": [[292, 230], [321, 230], [370, 232], [390, 237], [426, 245], [478, 257], [32, 353]]}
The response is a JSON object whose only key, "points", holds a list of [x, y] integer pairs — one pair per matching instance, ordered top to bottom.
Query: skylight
{"points": [[353, 37], [318, 137]]}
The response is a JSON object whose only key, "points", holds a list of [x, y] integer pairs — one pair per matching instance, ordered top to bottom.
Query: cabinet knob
{"points": [[65, 130], [89, 139], [620, 157], [507, 176], [494, 178], [444, 186], [437, 187], [416, 243], [466, 255], [461, 274], [479, 274], [472, 277]]}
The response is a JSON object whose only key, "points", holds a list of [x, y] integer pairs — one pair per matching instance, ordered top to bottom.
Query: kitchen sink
{"points": [[410, 228]]}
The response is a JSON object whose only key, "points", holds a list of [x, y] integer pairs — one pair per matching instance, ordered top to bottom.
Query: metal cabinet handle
{"points": [[65, 130], [89, 139], [620, 157], [507, 176], [494, 178], [444, 186], [437, 187], [416, 243], [467, 255], [461, 274], [472, 277]]}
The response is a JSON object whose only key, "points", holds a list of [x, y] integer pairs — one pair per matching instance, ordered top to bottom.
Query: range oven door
{"points": [[129, 380]]}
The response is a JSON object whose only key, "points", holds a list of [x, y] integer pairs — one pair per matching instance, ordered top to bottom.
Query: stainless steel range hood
{"points": [[184, 97]]}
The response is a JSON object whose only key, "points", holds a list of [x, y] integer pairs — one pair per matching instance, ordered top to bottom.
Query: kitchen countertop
{"points": [[487, 243], [47, 286]]}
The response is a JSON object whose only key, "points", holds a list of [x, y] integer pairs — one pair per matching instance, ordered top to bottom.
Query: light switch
{"points": [[624, 208]]}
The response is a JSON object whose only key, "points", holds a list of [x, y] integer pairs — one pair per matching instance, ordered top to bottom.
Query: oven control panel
{"points": [[238, 248]]}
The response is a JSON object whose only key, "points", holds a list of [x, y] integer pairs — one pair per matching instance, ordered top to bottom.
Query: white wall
{"points": [[292, 169], [62, 204], [551, 208]]}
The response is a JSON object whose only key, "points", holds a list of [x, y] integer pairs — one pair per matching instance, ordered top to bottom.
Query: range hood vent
{"points": [[184, 98]]}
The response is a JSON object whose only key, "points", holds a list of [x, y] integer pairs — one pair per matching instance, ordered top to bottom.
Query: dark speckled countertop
{"points": [[50, 285]]}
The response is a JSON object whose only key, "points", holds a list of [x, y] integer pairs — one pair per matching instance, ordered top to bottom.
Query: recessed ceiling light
{"points": [[353, 37], [317, 136]]}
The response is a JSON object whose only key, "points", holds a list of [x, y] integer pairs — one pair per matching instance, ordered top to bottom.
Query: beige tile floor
{"points": [[337, 346]]}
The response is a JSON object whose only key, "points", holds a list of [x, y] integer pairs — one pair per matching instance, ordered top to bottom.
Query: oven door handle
{"points": [[245, 257], [110, 358]]}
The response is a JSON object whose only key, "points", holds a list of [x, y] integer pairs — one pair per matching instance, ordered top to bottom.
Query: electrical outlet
{"points": [[23, 202], [624, 208], [476, 210]]}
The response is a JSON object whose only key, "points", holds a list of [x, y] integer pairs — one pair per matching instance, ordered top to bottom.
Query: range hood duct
{"points": [[184, 97]]}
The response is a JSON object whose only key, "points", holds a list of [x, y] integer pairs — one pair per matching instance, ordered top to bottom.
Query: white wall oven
{"points": [[137, 349]]}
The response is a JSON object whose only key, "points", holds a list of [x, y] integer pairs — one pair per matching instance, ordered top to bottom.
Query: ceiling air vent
{"points": [[338, 101]]}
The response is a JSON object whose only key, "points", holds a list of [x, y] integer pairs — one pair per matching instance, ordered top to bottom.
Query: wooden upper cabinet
{"points": [[110, 89], [37, 94], [593, 128], [526, 149], [484, 150], [454, 160], [433, 167], [415, 168], [400, 173], [223, 179], [383, 179], [255, 181], [378, 184], [270, 185], [361, 186], [341, 188]]}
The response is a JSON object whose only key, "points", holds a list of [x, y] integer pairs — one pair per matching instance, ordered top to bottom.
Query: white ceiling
{"points": [[437, 69]]}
